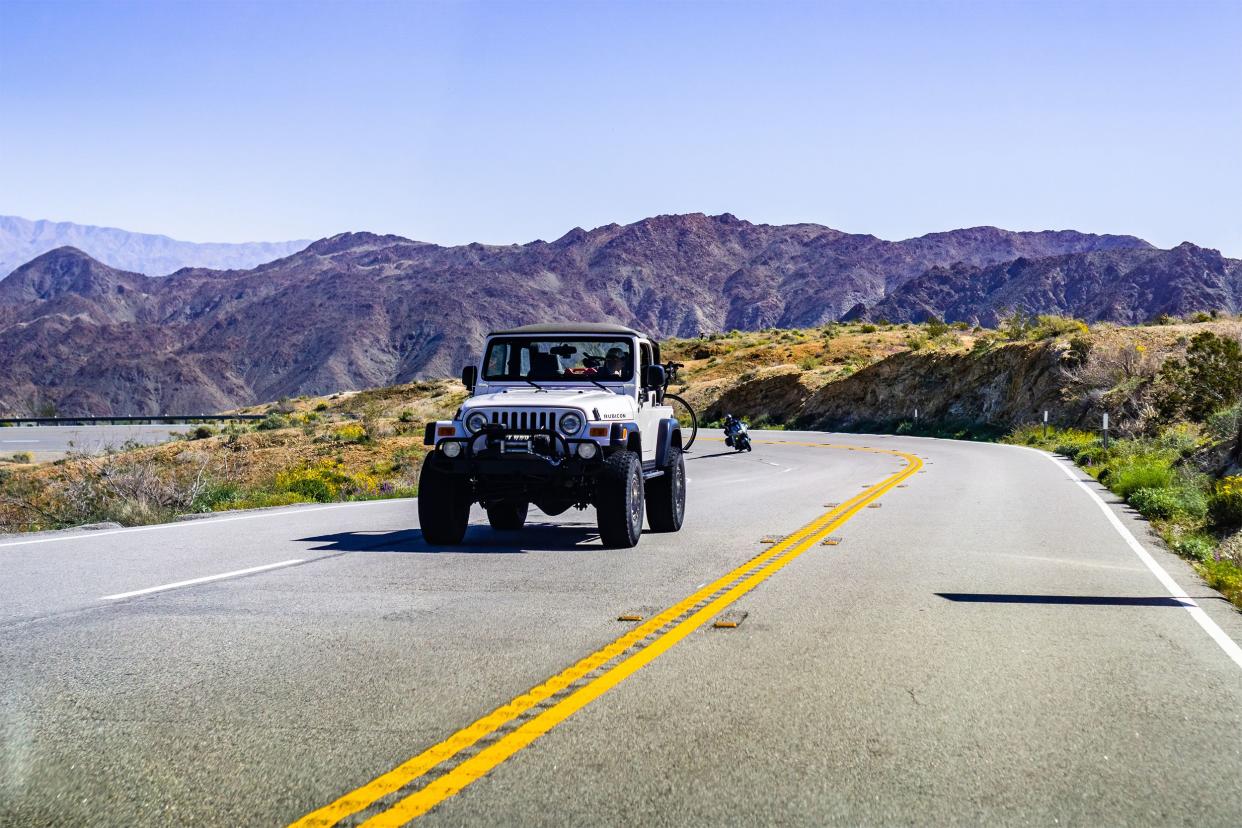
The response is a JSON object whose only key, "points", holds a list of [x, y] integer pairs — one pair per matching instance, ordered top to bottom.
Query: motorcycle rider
{"points": [[731, 427]]}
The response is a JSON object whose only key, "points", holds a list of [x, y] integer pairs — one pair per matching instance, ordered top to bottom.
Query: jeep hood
{"points": [[552, 398]]}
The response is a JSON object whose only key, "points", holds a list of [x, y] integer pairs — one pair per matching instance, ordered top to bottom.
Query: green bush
{"points": [[1049, 325], [936, 328], [868, 329], [1207, 380], [272, 422], [1224, 424], [202, 432], [1091, 455], [1139, 473], [1173, 502], [1225, 507], [1196, 547]]}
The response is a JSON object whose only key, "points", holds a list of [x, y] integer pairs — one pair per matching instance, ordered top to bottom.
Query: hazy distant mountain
{"points": [[21, 240], [359, 310]]}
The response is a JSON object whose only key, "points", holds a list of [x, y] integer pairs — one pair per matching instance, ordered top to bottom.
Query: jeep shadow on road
{"points": [[480, 540]]}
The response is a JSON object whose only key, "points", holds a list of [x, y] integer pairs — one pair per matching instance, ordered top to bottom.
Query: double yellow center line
{"points": [[402, 794]]}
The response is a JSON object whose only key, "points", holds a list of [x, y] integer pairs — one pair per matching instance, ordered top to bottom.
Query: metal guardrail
{"points": [[128, 419]]}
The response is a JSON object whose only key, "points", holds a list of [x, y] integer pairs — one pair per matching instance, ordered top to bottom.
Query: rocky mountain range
{"points": [[22, 240], [1127, 286], [360, 310]]}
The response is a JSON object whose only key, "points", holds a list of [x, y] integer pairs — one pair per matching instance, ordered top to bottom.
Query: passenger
{"points": [[614, 364]]}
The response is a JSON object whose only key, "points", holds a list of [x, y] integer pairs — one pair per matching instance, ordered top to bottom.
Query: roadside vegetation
{"points": [[349, 446], [1178, 459]]}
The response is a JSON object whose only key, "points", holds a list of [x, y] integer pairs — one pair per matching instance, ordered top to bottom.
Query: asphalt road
{"points": [[50, 442], [985, 645]]}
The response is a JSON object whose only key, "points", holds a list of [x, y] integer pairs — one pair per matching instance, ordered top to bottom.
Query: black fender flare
{"points": [[669, 436]]}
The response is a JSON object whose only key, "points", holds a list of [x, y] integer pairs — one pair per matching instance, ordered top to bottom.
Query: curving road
{"points": [[55, 441], [848, 630]]}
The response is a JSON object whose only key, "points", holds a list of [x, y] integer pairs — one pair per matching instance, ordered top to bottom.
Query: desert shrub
{"points": [[1200, 316], [1016, 325], [1047, 326], [936, 327], [867, 329], [916, 341], [808, 363], [1112, 366], [1207, 380], [323, 406], [406, 416], [272, 422], [1225, 423], [202, 432], [350, 433], [1181, 439], [1070, 441], [1088, 455], [23, 457], [1137, 473], [326, 481], [130, 490], [1169, 503], [1225, 506], [1195, 546], [1231, 549], [1224, 576]]}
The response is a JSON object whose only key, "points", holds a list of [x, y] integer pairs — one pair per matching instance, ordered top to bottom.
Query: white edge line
{"points": [[200, 522], [204, 580], [1218, 635]]}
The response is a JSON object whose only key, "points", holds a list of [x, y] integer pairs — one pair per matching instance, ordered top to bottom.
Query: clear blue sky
{"points": [[506, 122]]}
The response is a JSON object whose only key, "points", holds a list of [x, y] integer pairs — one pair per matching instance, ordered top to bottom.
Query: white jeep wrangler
{"points": [[559, 415]]}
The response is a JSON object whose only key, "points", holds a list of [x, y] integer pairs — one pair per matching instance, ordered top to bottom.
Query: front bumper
{"points": [[500, 452]]}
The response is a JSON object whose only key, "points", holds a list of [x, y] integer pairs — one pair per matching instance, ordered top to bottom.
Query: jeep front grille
{"points": [[526, 421]]}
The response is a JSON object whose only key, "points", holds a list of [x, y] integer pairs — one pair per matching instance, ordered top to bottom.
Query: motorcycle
{"points": [[739, 440]]}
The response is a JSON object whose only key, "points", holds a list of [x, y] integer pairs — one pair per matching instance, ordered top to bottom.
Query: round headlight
{"points": [[476, 421], [570, 424], [451, 449], [587, 450]]}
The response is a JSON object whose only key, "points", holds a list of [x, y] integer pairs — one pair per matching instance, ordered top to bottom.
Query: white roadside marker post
{"points": [[1045, 424], [1105, 430]]}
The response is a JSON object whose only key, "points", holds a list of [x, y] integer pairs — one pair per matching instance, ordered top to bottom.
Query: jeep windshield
{"points": [[555, 359]]}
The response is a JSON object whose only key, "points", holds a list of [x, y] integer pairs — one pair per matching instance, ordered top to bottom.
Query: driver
{"points": [[614, 364]]}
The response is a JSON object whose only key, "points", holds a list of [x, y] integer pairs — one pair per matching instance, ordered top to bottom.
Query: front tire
{"points": [[666, 495], [619, 501], [443, 506], [507, 516]]}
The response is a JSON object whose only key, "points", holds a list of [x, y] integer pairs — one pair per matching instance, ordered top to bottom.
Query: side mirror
{"points": [[469, 377], [655, 377]]}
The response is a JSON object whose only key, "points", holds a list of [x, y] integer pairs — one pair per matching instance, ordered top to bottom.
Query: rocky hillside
{"points": [[22, 240], [1119, 285], [360, 310], [860, 376]]}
